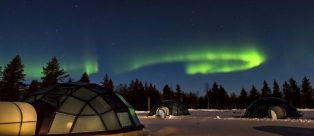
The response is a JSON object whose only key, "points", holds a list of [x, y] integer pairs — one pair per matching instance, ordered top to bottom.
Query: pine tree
{"points": [[53, 73], [84, 78], [12, 80], [107, 83], [122, 89], [136, 89], [276, 90], [266, 92], [287, 92], [167, 93], [296, 93], [307, 93], [153, 94], [178, 94], [254, 94], [215, 95], [209, 96], [140, 97], [223, 98], [156, 99], [243, 99], [192, 101], [233, 101], [201, 103]]}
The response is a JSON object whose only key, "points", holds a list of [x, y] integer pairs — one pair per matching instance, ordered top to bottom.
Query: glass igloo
{"points": [[270, 106], [169, 107], [82, 108]]}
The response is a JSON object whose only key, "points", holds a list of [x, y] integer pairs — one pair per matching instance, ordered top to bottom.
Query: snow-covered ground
{"points": [[227, 123]]}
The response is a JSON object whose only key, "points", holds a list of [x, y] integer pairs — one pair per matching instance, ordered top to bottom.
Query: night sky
{"points": [[237, 43]]}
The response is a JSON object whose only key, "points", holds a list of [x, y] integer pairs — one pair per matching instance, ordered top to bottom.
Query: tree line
{"points": [[13, 88], [144, 95]]}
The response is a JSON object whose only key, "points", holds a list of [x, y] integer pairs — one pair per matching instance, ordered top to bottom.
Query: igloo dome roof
{"points": [[82, 108]]}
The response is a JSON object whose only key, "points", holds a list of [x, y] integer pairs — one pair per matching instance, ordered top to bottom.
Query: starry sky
{"points": [[186, 42]]}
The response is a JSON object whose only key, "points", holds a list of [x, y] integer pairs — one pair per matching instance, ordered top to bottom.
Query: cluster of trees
{"points": [[13, 88], [140, 95], [143, 95], [216, 97], [301, 97]]}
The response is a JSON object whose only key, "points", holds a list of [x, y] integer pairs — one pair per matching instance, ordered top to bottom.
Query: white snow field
{"points": [[227, 123]]}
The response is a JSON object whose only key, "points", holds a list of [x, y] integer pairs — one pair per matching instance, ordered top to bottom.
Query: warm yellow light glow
{"points": [[11, 114], [69, 124]]}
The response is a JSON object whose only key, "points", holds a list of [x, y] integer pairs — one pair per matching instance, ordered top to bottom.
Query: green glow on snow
{"points": [[206, 60]]}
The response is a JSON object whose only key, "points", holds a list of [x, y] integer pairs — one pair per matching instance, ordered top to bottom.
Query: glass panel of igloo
{"points": [[84, 94], [72, 105], [100, 105], [88, 111], [124, 119], [111, 121], [61, 124], [88, 124]]}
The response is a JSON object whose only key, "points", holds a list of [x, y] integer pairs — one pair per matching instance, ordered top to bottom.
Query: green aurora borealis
{"points": [[234, 43], [199, 60], [203, 60]]}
